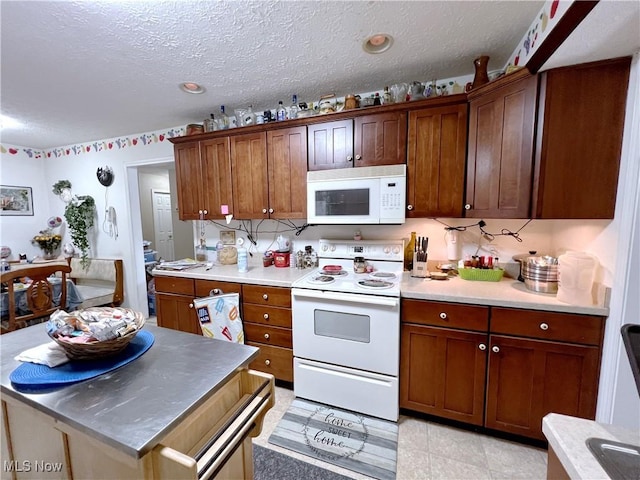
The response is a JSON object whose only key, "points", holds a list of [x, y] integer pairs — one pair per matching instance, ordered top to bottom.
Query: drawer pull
{"points": [[215, 291], [265, 296], [443, 315], [266, 316], [544, 326], [266, 335], [482, 347], [495, 349], [267, 362]]}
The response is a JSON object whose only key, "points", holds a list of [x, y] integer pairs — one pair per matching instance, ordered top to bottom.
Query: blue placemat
{"points": [[34, 377]]}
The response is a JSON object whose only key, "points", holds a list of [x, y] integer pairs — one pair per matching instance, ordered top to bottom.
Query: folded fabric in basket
{"points": [[50, 354]]}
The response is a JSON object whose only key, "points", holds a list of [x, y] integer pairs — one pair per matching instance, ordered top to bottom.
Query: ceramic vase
{"points": [[482, 75]]}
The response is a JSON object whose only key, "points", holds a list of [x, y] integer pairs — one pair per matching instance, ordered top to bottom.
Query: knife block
{"points": [[419, 269]]}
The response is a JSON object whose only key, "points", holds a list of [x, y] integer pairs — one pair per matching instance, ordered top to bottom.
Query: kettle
{"points": [[284, 244]]}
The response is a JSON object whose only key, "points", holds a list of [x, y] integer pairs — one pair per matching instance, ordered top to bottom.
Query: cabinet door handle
{"points": [[358, 157], [349, 158], [467, 206], [409, 207], [264, 210], [271, 210], [205, 212], [200, 213], [265, 296], [191, 305], [443, 315], [265, 316], [544, 326], [266, 336], [482, 347], [495, 349], [267, 362]]}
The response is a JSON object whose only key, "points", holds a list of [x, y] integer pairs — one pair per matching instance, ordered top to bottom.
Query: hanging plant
{"points": [[60, 185], [80, 213]]}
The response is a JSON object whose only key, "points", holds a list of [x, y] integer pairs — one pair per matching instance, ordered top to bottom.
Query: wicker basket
{"points": [[481, 275], [98, 350]]}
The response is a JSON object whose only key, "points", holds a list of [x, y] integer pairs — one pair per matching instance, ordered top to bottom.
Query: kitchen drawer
{"points": [[175, 285], [204, 287], [261, 295], [439, 314], [279, 317], [563, 327], [280, 337], [277, 361], [205, 439]]}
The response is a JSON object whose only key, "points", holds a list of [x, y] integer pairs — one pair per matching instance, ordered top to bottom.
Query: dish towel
{"points": [[50, 354]]}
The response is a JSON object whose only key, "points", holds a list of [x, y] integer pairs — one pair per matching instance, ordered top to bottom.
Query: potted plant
{"points": [[80, 214], [49, 242]]}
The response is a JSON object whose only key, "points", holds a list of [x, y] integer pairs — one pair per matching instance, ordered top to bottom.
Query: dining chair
{"points": [[40, 295]]}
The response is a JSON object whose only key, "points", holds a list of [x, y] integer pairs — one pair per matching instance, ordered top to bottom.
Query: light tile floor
{"points": [[430, 451]]}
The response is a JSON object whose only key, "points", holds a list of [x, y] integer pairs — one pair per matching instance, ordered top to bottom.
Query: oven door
{"points": [[352, 201], [351, 330]]}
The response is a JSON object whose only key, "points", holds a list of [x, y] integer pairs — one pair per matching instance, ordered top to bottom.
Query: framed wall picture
{"points": [[16, 200], [228, 237]]}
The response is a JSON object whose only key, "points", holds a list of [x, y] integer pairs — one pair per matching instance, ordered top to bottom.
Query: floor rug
{"points": [[349, 440], [271, 465]]}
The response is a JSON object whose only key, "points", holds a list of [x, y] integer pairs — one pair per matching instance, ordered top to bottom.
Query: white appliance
{"points": [[361, 195], [346, 328]]}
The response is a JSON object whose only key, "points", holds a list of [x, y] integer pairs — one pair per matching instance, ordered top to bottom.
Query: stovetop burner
{"points": [[333, 273], [382, 275], [321, 279], [375, 283]]}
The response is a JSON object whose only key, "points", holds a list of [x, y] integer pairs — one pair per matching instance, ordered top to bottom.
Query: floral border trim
{"points": [[544, 22], [112, 144]]}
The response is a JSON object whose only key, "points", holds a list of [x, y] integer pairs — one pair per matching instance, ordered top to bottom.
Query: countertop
{"points": [[257, 274], [506, 293], [133, 407], [567, 436]]}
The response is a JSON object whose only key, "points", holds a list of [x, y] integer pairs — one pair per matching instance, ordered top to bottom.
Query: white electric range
{"points": [[346, 327]]}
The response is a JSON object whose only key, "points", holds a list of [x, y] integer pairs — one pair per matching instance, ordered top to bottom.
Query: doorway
{"points": [[162, 224]]}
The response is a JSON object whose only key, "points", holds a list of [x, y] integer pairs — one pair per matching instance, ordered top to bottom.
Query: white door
{"points": [[162, 225]]}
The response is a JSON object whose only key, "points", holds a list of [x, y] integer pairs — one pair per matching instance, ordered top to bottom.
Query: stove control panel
{"points": [[392, 250]]}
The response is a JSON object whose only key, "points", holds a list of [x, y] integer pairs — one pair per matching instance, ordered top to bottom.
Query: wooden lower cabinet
{"points": [[174, 300], [174, 304], [267, 325], [523, 366], [443, 372], [529, 378]]}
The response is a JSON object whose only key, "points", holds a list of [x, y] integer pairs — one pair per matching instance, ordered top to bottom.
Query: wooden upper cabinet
{"points": [[580, 127], [380, 139], [330, 145], [436, 155], [500, 156], [287, 170], [216, 172], [203, 176], [250, 176], [188, 179]]}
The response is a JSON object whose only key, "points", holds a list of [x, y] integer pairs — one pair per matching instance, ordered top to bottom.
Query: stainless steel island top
{"points": [[136, 405]]}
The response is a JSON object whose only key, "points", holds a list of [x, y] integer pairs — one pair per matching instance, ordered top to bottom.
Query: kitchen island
{"points": [[185, 409]]}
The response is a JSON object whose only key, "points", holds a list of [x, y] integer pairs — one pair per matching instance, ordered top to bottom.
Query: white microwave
{"points": [[359, 195]]}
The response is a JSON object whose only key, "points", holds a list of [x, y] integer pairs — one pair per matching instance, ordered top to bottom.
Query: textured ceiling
{"points": [[80, 71]]}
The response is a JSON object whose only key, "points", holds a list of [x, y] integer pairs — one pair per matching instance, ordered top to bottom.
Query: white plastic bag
{"points": [[220, 317]]}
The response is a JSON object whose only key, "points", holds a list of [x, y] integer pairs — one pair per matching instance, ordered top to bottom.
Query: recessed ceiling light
{"points": [[378, 43], [191, 87]]}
